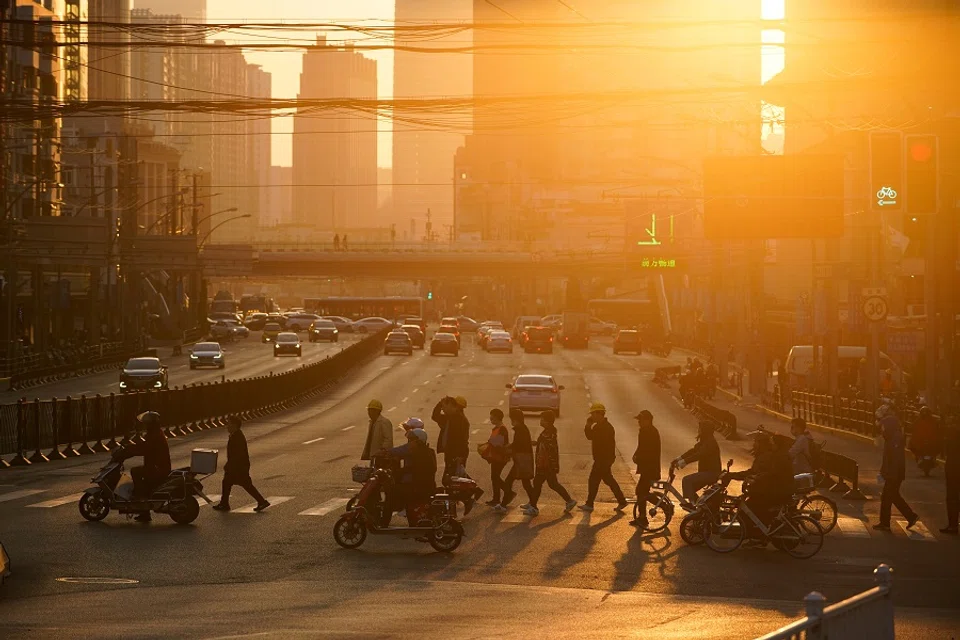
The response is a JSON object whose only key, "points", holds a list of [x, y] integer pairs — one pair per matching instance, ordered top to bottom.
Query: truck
{"points": [[575, 330]]}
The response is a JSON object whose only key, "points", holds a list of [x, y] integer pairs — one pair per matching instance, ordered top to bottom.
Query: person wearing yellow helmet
{"points": [[379, 431], [603, 437], [454, 439]]}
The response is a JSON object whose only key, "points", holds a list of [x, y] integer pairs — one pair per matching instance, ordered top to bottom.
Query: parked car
{"points": [[255, 321], [301, 321], [344, 325], [371, 325], [467, 325], [450, 328], [324, 330], [270, 332], [417, 336], [538, 340], [499, 341], [627, 341], [398, 342], [444, 342], [287, 343], [207, 354], [140, 374], [535, 392]]}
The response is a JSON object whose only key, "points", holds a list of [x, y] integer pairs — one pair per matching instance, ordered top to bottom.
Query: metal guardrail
{"points": [[545, 249], [89, 359], [722, 420], [41, 430], [845, 469], [865, 615]]}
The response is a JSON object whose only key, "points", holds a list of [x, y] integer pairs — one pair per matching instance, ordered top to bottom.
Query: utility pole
{"points": [[93, 181]]}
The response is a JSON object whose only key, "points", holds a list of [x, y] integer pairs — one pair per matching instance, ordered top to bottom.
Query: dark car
{"points": [[277, 318], [255, 321], [420, 322], [468, 325], [450, 328], [324, 330], [417, 336], [538, 340], [398, 341], [628, 341], [444, 342], [287, 343], [207, 354], [140, 374]]}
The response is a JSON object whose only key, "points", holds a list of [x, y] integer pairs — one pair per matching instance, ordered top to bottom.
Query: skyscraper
{"points": [[191, 10], [335, 153], [423, 157]]}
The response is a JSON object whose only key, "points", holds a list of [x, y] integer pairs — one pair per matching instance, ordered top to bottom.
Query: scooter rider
{"points": [[925, 439], [706, 453], [156, 459], [771, 476], [418, 482]]}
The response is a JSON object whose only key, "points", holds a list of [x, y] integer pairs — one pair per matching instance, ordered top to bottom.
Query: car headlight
{"points": [[276, 345], [218, 356], [194, 357], [158, 383], [123, 385]]}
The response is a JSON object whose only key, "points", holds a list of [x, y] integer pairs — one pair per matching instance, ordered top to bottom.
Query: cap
{"points": [[461, 402], [375, 404], [597, 406], [643, 414]]}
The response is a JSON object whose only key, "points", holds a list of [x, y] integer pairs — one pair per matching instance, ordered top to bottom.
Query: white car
{"points": [[301, 321], [343, 324], [371, 325], [228, 330], [499, 341], [534, 393]]}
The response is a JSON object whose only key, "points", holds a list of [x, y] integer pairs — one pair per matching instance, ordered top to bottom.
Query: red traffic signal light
{"points": [[920, 151], [921, 174]]}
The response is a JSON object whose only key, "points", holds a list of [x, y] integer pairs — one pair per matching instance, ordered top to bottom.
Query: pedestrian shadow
{"points": [[577, 548], [643, 548]]}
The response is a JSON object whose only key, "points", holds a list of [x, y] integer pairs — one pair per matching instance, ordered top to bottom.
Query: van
{"points": [[522, 323], [800, 363]]}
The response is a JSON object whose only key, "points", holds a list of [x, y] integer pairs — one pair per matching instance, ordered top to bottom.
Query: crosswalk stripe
{"points": [[23, 493], [214, 497], [273, 500], [56, 502], [325, 508], [516, 517], [852, 528], [919, 531]]}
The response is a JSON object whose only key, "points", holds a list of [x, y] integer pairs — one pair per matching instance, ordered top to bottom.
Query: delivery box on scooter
{"points": [[204, 461]]}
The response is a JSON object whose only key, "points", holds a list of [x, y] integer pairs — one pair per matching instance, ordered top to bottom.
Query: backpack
{"points": [[815, 454]]}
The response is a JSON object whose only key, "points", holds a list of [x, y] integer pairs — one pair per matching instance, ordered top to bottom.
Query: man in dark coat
{"points": [[603, 437], [454, 439], [521, 453], [706, 453], [156, 459], [647, 459], [237, 469], [892, 472]]}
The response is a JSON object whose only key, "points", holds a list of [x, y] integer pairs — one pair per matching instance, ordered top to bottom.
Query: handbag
{"points": [[485, 451], [523, 463]]}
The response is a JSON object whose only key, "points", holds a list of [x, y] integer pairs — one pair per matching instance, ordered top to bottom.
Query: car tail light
{"points": [[553, 390]]}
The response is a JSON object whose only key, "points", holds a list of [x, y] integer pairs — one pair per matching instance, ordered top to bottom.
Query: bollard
{"points": [[68, 415], [84, 428], [99, 446], [55, 453], [37, 455], [20, 460]]}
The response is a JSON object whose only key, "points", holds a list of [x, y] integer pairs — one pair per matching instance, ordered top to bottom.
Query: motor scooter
{"points": [[175, 496], [434, 521]]}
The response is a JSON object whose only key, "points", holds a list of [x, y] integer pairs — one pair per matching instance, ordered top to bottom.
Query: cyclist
{"points": [[706, 453], [771, 477]]}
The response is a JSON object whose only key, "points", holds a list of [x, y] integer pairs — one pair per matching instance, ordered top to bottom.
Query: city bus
{"points": [[357, 308]]}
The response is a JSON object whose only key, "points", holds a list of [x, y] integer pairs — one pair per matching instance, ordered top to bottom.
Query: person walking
{"points": [[336, 242], [379, 431], [603, 437], [454, 439], [521, 453], [706, 453], [497, 454], [800, 454], [647, 459], [547, 466], [892, 471], [951, 471], [236, 472]]}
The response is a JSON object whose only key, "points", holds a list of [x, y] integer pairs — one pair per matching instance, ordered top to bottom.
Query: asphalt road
{"points": [[246, 358], [279, 574]]}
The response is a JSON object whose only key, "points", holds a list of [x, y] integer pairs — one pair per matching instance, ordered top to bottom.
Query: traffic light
{"points": [[921, 169], [886, 171], [429, 295]]}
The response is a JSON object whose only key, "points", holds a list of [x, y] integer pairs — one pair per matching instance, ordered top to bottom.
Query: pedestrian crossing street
{"points": [[847, 527]]}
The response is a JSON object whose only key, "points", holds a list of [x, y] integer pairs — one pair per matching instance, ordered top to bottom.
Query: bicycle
{"points": [[661, 506], [816, 506], [798, 535]]}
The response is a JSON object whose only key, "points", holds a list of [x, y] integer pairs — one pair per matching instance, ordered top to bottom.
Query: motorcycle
{"points": [[176, 496], [434, 521]]}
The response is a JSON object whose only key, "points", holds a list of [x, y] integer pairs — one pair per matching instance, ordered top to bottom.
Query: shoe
{"points": [[508, 497], [492, 503], [221, 506], [261, 506], [468, 506], [525, 506], [569, 506], [621, 506], [586, 507], [500, 508], [531, 511], [402, 514], [144, 517], [912, 521], [639, 522], [881, 527], [951, 530]]}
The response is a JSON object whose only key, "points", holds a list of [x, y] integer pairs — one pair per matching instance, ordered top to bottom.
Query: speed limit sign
{"points": [[875, 308]]}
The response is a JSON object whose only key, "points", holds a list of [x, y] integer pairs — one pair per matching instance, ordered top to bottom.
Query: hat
{"points": [[461, 402], [375, 404], [597, 406], [643, 414]]}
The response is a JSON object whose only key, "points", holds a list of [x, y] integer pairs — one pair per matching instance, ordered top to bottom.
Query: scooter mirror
{"points": [[729, 464]]}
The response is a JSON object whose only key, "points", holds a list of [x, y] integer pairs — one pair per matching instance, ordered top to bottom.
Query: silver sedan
{"points": [[533, 393]]}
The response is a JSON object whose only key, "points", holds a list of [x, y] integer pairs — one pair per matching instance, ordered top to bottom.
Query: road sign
{"points": [[869, 292], [875, 308]]}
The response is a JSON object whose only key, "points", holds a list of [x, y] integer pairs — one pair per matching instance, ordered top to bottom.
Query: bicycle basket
{"points": [[361, 473]]}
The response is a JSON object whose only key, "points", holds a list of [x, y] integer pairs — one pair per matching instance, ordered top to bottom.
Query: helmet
{"points": [[461, 402], [375, 404], [597, 406], [925, 411], [548, 416], [149, 419], [413, 423], [419, 434]]}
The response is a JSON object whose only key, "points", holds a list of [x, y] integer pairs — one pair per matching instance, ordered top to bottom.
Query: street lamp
{"points": [[215, 213], [209, 233]]}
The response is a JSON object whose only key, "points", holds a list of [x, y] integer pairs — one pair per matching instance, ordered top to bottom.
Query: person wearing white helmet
{"points": [[419, 477]]}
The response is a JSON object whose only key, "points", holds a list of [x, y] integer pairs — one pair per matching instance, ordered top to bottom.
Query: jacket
{"points": [[379, 437], [454, 437], [604, 441], [522, 443], [155, 452], [548, 452], [706, 453], [799, 453], [647, 455], [238, 457], [894, 464], [422, 466], [771, 475]]}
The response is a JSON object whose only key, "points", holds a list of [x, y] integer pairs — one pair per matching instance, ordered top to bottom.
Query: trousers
{"points": [[603, 472], [496, 479], [696, 481], [552, 482], [247, 484], [508, 484], [889, 497], [953, 501]]}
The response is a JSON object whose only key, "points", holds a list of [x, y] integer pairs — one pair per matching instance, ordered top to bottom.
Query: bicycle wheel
{"points": [[820, 508], [658, 514], [691, 528], [724, 534], [801, 536]]}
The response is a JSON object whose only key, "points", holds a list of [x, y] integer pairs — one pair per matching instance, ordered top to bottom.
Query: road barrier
{"points": [[661, 349], [30, 371], [662, 374], [722, 421], [28, 429], [845, 470], [865, 615]]}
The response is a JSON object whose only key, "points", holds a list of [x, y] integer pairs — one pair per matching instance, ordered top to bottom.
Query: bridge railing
{"points": [[544, 249]]}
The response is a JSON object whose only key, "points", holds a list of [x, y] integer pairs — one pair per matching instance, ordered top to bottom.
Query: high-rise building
{"points": [[193, 11], [258, 135], [335, 153], [423, 156], [279, 197]]}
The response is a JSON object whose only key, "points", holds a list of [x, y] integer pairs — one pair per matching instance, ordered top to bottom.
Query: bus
{"points": [[256, 303], [357, 308], [643, 315]]}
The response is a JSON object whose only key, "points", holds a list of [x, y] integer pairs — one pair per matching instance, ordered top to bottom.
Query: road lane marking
{"points": [[384, 368], [415, 389], [507, 392], [405, 399], [501, 403], [391, 409], [353, 426], [475, 431], [312, 441], [23, 493], [214, 498], [273, 500], [56, 502], [325, 508], [852, 528], [918, 532]]}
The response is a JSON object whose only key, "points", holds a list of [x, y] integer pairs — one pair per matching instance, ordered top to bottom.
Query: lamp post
{"points": [[215, 213], [167, 215], [217, 226], [202, 288]]}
